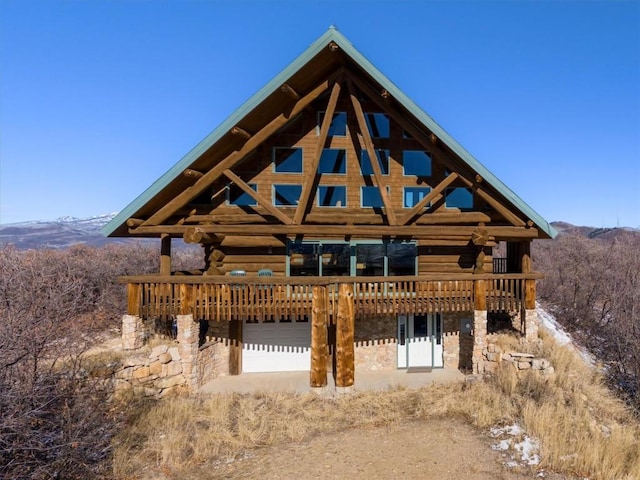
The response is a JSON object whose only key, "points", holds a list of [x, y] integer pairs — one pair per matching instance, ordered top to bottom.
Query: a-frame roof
{"points": [[312, 64]]}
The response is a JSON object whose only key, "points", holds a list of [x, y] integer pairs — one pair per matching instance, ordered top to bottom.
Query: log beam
{"points": [[286, 88], [240, 132], [371, 151], [232, 159], [191, 173], [309, 178], [437, 190], [262, 201], [365, 231], [198, 235], [165, 254], [345, 334], [319, 337], [235, 347]]}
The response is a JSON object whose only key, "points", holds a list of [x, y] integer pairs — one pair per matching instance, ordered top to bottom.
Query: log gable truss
{"points": [[300, 221]]}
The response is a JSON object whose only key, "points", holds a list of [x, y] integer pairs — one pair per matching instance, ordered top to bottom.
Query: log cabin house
{"points": [[341, 227]]}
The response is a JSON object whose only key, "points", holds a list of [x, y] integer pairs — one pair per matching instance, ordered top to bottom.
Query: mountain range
{"points": [[66, 231]]}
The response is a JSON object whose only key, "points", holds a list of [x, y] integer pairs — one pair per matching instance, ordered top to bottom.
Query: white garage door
{"points": [[276, 347]]}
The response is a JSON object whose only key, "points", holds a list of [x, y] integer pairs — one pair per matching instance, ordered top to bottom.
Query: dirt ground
{"points": [[435, 449]]}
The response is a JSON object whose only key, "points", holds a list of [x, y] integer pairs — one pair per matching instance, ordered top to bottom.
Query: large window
{"points": [[378, 125], [338, 126], [287, 160], [333, 160], [383, 162], [416, 162], [286, 195], [413, 195], [237, 196], [332, 196], [370, 196], [459, 197], [362, 259]]}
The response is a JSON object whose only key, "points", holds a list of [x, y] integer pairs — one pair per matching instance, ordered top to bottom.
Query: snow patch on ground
{"points": [[548, 321], [519, 448]]}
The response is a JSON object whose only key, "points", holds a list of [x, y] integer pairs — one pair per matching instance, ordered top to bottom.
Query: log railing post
{"points": [[165, 254], [133, 299], [319, 337], [345, 354]]}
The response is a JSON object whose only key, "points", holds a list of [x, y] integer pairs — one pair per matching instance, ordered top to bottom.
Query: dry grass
{"points": [[582, 428]]}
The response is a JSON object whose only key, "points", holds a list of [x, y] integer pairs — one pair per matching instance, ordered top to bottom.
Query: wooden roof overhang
{"points": [[328, 65]]}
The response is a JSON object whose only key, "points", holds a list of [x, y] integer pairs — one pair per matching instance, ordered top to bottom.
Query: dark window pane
{"points": [[378, 124], [338, 126], [287, 160], [333, 160], [383, 161], [416, 162], [286, 194], [412, 195], [332, 196], [371, 197], [459, 197], [240, 198], [402, 258], [336, 259], [303, 260], [370, 260], [420, 326]]}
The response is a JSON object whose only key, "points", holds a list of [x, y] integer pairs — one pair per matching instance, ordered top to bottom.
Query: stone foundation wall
{"points": [[376, 344], [458, 346], [493, 356], [155, 374]]}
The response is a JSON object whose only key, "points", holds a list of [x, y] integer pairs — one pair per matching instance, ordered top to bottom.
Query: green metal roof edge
{"points": [[332, 34], [432, 125], [218, 132]]}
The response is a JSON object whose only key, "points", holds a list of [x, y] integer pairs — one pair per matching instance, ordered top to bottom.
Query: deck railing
{"points": [[224, 298]]}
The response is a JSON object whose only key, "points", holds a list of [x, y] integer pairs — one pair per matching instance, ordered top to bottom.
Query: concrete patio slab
{"points": [[298, 382]]}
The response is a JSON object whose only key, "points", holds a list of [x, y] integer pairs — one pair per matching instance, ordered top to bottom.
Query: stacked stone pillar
{"points": [[529, 311], [479, 325], [133, 333], [188, 338]]}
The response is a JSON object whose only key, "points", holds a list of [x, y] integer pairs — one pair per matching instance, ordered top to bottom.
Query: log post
{"points": [[165, 254], [525, 257], [133, 299], [479, 324], [319, 337], [235, 347], [345, 354]]}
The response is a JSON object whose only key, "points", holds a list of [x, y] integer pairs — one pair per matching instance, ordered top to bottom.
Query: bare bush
{"points": [[594, 287]]}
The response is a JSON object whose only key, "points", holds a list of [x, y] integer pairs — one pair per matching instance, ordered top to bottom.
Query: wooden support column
{"points": [[165, 254], [525, 258], [133, 299], [479, 325], [345, 328], [188, 336], [319, 337], [235, 347]]}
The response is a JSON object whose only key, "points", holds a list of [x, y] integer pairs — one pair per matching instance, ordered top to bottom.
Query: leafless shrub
{"points": [[594, 287]]}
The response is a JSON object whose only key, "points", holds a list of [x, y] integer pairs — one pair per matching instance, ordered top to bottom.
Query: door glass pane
{"points": [[402, 258], [336, 259], [303, 260], [370, 260], [420, 326]]}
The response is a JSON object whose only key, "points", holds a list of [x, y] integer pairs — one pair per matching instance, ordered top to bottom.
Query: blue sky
{"points": [[99, 98]]}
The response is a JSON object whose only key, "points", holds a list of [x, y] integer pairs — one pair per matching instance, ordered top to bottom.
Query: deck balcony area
{"points": [[254, 298]]}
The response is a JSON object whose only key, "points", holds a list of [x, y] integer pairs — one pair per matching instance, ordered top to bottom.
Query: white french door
{"points": [[420, 341]]}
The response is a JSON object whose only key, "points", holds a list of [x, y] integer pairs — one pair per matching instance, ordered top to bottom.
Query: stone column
{"points": [[479, 325], [530, 325], [133, 333], [188, 337]]}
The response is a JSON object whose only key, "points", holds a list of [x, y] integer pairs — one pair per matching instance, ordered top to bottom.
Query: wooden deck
{"points": [[225, 298]]}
